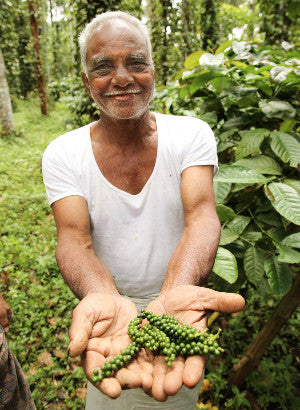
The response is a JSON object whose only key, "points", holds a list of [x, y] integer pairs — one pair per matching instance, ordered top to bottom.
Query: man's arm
{"points": [[194, 256], [81, 269]]}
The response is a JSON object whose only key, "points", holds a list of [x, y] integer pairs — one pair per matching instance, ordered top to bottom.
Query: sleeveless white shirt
{"points": [[133, 235]]}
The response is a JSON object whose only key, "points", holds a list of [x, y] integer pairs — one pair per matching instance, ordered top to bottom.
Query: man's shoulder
{"points": [[70, 140]]}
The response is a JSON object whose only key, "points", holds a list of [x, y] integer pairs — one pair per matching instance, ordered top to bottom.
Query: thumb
{"points": [[222, 302], [79, 333]]}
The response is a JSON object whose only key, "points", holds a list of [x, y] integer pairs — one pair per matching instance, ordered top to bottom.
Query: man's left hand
{"points": [[189, 304]]}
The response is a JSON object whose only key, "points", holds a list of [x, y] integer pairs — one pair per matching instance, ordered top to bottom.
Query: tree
{"points": [[280, 20], [209, 24], [34, 25], [6, 115]]}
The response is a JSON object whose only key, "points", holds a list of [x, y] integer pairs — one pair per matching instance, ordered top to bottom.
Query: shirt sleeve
{"points": [[201, 148], [59, 177]]}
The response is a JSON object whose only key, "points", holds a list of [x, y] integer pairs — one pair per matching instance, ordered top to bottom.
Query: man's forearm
{"points": [[194, 256], [82, 270]]}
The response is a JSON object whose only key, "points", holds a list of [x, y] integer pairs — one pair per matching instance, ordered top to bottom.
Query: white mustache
{"points": [[114, 93]]}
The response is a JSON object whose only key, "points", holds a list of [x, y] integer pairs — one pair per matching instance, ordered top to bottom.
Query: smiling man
{"points": [[134, 206]]}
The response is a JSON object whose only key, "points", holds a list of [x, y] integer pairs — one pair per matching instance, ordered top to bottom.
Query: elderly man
{"points": [[137, 227]]}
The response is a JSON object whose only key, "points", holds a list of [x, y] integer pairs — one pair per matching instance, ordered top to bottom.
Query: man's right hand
{"points": [[5, 314], [99, 332]]}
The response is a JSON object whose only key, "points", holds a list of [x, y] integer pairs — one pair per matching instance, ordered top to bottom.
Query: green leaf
{"points": [[223, 47], [192, 60], [202, 79], [220, 83], [184, 92], [277, 109], [210, 117], [288, 125], [251, 142], [286, 147], [262, 164], [238, 174], [294, 183], [222, 190], [286, 201], [225, 213], [270, 218], [239, 223], [227, 236], [251, 236], [292, 240], [288, 255], [254, 260], [225, 265], [279, 276]]}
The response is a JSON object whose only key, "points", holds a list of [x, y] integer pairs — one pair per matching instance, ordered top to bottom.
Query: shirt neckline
{"points": [[115, 188]]}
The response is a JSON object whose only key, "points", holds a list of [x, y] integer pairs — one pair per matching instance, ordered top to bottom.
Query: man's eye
{"points": [[138, 66], [103, 69]]}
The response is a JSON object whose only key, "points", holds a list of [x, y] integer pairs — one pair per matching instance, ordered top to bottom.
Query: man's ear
{"points": [[86, 83]]}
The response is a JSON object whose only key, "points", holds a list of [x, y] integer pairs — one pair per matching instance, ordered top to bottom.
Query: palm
{"points": [[189, 304], [99, 328]]}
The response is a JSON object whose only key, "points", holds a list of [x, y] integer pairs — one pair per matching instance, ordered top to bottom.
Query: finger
{"points": [[220, 301], [79, 333], [193, 369], [159, 371], [145, 373], [129, 378], [173, 379], [110, 386]]}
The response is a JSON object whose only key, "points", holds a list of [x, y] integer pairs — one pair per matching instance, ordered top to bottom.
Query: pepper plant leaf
{"points": [[251, 142], [286, 147], [262, 164], [239, 174], [286, 201], [292, 240], [254, 259], [225, 265], [279, 275]]}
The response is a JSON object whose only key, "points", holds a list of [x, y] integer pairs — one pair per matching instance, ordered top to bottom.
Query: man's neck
{"points": [[124, 132]]}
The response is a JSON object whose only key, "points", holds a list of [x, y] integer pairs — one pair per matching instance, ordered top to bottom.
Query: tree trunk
{"points": [[38, 61], [6, 114], [279, 317]]}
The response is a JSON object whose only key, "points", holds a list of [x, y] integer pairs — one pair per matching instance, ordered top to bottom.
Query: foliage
{"points": [[280, 20], [16, 47], [249, 95], [30, 280], [267, 385]]}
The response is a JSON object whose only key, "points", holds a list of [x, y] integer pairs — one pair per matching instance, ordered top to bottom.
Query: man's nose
{"points": [[122, 77]]}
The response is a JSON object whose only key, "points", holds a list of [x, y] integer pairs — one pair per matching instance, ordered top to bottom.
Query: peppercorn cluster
{"points": [[164, 335]]}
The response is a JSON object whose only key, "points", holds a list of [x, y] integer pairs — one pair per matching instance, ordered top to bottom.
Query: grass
{"points": [[30, 280]]}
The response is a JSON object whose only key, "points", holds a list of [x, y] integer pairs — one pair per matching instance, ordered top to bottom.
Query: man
{"points": [[137, 227]]}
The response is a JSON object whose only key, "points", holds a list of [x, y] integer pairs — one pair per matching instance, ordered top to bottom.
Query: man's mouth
{"points": [[120, 93]]}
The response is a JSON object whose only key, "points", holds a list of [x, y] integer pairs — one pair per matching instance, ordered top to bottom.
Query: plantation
{"points": [[232, 63], [257, 194]]}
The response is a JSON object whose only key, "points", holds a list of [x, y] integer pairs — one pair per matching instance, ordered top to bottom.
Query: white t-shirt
{"points": [[133, 235]]}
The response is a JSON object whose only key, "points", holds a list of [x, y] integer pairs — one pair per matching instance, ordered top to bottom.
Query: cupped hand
{"points": [[189, 304], [5, 314], [99, 332]]}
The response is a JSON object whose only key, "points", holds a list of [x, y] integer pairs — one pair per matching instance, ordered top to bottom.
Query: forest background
{"points": [[234, 64]]}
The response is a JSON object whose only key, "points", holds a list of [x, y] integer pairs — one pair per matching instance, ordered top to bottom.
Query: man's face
{"points": [[120, 72]]}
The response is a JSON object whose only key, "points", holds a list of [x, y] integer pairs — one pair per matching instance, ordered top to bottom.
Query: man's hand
{"points": [[189, 304], [5, 314], [99, 332]]}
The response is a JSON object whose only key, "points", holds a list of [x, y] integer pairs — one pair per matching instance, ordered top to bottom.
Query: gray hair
{"points": [[97, 21]]}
